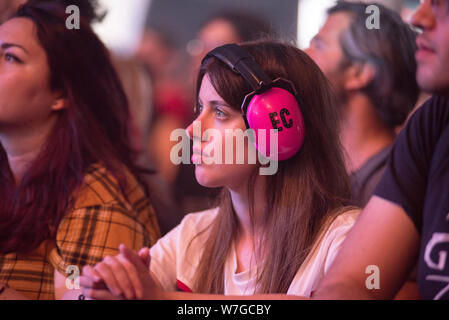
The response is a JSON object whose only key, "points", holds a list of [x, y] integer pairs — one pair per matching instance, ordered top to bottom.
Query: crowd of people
{"points": [[87, 184]]}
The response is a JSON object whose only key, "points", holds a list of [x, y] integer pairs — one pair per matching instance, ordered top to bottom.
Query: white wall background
{"points": [[311, 16], [122, 27]]}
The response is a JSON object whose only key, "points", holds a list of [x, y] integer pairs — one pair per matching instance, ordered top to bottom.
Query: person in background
{"points": [[228, 26], [162, 60], [372, 72], [138, 88], [171, 99], [70, 190], [407, 220]]}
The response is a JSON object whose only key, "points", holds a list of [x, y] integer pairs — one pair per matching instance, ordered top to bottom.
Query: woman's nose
{"points": [[423, 18], [196, 128], [190, 130]]}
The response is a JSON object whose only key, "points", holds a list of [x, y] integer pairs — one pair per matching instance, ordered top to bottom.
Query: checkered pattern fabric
{"points": [[101, 219]]}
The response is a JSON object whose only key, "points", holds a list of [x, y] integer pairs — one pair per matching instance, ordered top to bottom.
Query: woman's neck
{"points": [[363, 135], [22, 146], [241, 203]]}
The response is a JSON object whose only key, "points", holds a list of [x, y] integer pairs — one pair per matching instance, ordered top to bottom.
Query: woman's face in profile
{"points": [[26, 100], [217, 120]]}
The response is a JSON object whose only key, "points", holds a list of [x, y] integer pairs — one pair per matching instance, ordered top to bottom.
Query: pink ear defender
{"points": [[271, 106]]}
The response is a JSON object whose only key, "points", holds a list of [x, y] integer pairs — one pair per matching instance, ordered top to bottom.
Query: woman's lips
{"points": [[424, 49], [198, 156]]}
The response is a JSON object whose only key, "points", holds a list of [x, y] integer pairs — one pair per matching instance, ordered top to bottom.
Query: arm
{"points": [[383, 236], [78, 246], [127, 275], [6, 293]]}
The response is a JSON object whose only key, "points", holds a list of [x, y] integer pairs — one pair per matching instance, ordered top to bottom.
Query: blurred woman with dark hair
{"points": [[70, 191]]}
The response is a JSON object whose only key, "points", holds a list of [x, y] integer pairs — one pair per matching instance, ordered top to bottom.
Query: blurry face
{"points": [[217, 33], [214, 34], [433, 46], [326, 51], [154, 52], [25, 96], [215, 113]]}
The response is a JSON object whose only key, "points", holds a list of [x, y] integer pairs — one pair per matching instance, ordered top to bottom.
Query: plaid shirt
{"points": [[101, 220]]}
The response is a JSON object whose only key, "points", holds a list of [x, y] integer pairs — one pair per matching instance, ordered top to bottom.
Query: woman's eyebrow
{"points": [[6, 45], [218, 103]]}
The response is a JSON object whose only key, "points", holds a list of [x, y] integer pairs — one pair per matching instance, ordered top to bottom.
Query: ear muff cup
{"points": [[279, 110]]}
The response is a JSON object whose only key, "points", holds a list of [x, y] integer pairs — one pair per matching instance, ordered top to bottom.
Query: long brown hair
{"points": [[91, 129], [306, 192]]}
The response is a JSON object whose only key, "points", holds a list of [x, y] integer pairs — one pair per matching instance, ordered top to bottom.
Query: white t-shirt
{"points": [[175, 257]]}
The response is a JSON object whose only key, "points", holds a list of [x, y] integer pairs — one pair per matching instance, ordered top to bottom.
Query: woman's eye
{"points": [[11, 58], [198, 109], [220, 113]]}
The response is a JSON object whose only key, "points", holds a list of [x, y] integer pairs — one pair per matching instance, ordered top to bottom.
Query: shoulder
{"points": [[435, 104], [431, 116], [101, 188], [100, 204], [347, 216], [201, 218], [194, 224], [339, 226], [334, 231], [324, 251]]}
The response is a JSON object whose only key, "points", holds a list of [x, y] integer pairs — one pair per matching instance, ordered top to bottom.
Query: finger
{"points": [[144, 255], [133, 258], [90, 272], [121, 274], [133, 276], [108, 277], [86, 282], [89, 284], [99, 294]]}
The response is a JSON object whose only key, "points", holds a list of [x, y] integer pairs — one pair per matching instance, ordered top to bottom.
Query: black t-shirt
{"points": [[417, 179]]}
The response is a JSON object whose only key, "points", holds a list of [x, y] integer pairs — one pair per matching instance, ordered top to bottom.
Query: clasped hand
{"points": [[124, 276]]}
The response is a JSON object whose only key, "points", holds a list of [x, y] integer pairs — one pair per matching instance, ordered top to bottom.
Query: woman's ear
{"points": [[358, 76], [59, 103]]}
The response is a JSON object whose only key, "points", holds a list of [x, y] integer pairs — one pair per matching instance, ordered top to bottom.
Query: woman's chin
{"points": [[206, 177]]}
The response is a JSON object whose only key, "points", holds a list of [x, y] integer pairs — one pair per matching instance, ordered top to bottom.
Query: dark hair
{"points": [[249, 26], [391, 51], [91, 129], [307, 190]]}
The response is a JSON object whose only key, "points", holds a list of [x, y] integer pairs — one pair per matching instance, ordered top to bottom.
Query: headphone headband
{"points": [[241, 62]]}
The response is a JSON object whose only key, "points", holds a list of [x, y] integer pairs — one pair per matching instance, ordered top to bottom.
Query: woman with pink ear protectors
{"points": [[271, 105], [273, 235]]}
